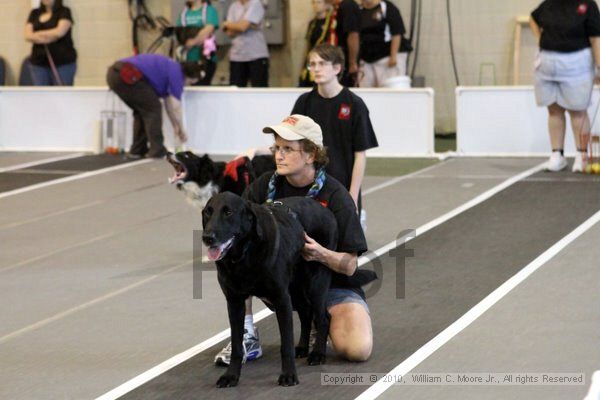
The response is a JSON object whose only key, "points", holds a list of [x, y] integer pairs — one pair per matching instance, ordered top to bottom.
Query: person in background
{"points": [[318, 32], [345, 33], [569, 38], [203, 47], [382, 53], [249, 54], [53, 56], [141, 81], [343, 117]]}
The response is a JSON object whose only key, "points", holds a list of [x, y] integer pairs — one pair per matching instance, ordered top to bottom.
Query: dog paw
{"points": [[301, 352], [316, 358], [288, 380], [227, 381]]}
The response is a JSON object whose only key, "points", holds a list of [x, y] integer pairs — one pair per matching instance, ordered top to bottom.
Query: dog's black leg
{"points": [[283, 310], [236, 311], [305, 314], [321, 319]]}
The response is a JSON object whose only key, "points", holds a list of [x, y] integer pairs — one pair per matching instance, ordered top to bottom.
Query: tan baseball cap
{"points": [[298, 127]]}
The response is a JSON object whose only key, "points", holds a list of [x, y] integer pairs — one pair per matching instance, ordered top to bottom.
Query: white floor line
{"points": [[40, 162], [74, 177], [401, 178], [53, 214], [440, 220], [88, 304], [460, 324], [186, 355], [174, 361]]}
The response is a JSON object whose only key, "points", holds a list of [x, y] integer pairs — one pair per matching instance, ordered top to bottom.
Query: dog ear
{"points": [[251, 218]]}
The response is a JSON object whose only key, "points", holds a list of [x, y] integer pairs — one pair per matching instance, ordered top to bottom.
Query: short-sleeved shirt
{"points": [[190, 17], [348, 21], [378, 25], [567, 25], [250, 45], [62, 51], [163, 74], [346, 125], [336, 198]]}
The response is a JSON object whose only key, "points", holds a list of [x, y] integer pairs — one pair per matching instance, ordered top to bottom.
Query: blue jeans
{"points": [[42, 76]]}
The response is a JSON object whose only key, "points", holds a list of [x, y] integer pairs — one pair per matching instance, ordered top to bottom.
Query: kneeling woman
{"points": [[301, 159]]}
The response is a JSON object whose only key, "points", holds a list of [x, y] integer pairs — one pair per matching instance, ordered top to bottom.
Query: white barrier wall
{"points": [[218, 120], [506, 121]]}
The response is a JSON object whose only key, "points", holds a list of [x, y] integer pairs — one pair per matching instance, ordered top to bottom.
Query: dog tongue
{"points": [[214, 253]]}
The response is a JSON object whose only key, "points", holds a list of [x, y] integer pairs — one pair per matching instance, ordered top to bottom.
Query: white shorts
{"points": [[376, 73], [564, 78]]}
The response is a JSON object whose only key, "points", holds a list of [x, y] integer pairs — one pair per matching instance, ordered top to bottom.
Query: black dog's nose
{"points": [[209, 239]]}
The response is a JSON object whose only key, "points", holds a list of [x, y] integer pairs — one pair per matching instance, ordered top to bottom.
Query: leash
{"points": [[53, 66], [273, 256]]}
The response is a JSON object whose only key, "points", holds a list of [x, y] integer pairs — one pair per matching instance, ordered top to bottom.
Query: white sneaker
{"points": [[557, 162], [580, 162], [252, 349]]}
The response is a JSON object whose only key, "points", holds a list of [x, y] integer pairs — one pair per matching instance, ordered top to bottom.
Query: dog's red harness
{"points": [[231, 169]]}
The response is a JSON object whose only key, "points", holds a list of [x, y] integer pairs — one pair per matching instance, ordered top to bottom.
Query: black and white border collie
{"points": [[200, 178]]}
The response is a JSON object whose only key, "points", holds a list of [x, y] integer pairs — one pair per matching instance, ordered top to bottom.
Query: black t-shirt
{"points": [[348, 21], [567, 24], [377, 29], [62, 50], [344, 120], [351, 238]]}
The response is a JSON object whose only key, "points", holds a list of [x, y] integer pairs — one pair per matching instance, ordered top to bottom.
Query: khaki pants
{"points": [[375, 74]]}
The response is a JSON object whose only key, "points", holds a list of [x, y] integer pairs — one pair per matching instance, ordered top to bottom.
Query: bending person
{"points": [[141, 81]]}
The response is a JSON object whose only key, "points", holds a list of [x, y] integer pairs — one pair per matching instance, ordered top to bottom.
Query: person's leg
{"points": [[211, 68], [259, 72], [67, 73], [238, 75], [366, 75], [41, 76], [130, 96], [150, 110], [580, 123], [556, 126], [139, 146], [350, 331]]}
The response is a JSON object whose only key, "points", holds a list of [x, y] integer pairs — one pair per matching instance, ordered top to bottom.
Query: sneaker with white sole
{"points": [[557, 162], [580, 162], [252, 349]]}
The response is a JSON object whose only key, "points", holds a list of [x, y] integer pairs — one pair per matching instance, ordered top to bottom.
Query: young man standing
{"points": [[343, 117]]}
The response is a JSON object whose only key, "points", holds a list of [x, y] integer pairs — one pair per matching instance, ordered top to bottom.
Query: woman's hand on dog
{"points": [[313, 251]]}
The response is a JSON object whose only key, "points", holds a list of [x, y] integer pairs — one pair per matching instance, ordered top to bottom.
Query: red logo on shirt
{"points": [[582, 9], [344, 112], [323, 203]]}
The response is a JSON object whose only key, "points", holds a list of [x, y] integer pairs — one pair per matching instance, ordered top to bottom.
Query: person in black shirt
{"points": [[346, 22], [318, 31], [380, 42], [53, 57], [564, 71], [343, 117], [300, 158]]}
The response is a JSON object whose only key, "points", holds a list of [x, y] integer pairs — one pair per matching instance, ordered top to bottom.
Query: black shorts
{"points": [[256, 71]]}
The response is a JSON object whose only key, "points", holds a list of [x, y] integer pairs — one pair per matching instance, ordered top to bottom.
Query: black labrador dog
{"points": [[200, 177], [257, 249]]}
